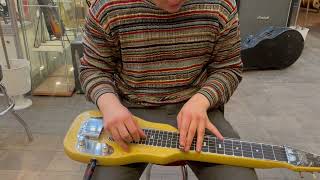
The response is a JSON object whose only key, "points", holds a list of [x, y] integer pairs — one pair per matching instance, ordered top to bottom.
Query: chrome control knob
{"points": [[81, 140], [107, 150]]}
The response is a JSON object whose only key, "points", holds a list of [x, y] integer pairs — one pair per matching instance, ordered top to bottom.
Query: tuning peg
{"points": [[301, 175], [314, 176]]}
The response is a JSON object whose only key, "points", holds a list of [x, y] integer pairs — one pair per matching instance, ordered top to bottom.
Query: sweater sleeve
{"points": [[98, 64], [225, 68]]}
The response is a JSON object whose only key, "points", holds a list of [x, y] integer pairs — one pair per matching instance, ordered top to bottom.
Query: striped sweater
{"points": [[150, 57]]}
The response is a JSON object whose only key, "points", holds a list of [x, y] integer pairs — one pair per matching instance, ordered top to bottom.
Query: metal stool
{"points": [[10, 104], [182, 164]]}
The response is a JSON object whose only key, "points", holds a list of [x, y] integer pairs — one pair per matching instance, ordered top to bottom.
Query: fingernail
{"points": [[181, 147]]}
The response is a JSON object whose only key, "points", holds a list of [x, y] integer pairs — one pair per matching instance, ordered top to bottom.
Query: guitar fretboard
{"points": [[211, 144]]}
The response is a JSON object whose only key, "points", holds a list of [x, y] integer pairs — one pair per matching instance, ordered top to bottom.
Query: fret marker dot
{"points": [[204, 144], [220, 146], [237, 148], [257, 150]]}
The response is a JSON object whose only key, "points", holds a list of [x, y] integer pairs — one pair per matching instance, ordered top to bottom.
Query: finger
{"points": [[179, 121], [185, 123], [106, 126], [133, 130], [214, 130], [140, 131], [124, 134], [142, 134], [190, 135], [200, 135], [117, 138]]}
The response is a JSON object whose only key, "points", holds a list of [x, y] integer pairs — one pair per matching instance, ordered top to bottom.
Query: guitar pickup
{"points": [[91, 128]]}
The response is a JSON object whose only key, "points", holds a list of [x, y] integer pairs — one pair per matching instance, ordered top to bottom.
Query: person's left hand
{"points": [[193, 118]]}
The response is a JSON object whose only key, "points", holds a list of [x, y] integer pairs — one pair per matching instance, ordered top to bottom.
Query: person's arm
{"points": [[98, 63], [97, 68], [224, 71], [224, 75]]}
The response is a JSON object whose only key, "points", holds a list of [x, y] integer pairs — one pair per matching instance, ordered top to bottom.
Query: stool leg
{"points": [[3, 92], [20, 120], [24, 124], [184, 170], [148, 171]]}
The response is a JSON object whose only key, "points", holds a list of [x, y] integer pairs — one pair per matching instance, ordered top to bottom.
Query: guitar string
{"points": [[257, 152], [281, 157]]}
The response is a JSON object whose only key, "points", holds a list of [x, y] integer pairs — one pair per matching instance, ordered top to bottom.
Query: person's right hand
{"points": [[119, 121]]}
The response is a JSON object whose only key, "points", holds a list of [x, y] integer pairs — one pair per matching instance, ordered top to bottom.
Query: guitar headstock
{"points": [[303, 161]]}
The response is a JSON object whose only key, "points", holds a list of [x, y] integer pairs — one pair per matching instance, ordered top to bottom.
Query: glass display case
{"points": [[50, 27]]}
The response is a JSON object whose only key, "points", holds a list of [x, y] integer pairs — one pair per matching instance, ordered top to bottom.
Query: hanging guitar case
{"points": [[272, 48]]}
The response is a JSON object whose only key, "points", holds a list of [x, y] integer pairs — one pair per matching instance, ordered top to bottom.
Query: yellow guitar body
{"points": [[158, 155]]}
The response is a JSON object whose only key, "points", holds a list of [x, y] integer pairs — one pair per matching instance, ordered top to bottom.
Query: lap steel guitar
{"points": [[86, 141]]}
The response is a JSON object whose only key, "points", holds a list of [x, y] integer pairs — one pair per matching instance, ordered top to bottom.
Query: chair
{"points": [[9, 108], [183, 165]]}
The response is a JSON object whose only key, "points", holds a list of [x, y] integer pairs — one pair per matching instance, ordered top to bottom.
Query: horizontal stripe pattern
{"points": [[151, 57]]}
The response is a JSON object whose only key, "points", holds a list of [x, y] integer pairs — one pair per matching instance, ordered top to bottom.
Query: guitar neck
{"points": [[211, 144], [234, 147]]}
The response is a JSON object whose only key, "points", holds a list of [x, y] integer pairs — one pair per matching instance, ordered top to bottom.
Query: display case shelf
{"points": [[52, 46]]}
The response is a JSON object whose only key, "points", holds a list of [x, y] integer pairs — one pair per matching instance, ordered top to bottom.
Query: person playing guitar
{"points": [[170, 61]]}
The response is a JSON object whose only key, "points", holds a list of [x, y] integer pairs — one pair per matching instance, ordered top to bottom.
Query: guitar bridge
{"points": [[91, 128]]}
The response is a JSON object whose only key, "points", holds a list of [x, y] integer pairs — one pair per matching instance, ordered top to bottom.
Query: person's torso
{"points": [[162, 56]]}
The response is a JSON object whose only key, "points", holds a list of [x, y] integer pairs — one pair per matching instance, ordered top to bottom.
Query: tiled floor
{"points": [[278, 107]]}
